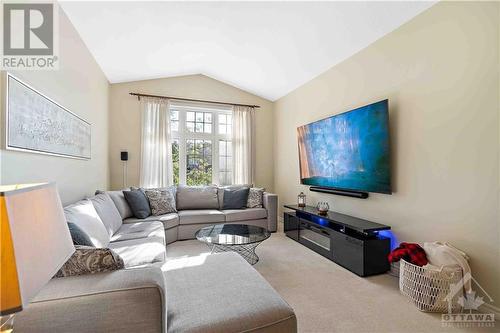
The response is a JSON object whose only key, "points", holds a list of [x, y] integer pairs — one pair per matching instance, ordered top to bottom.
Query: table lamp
{"points": [[34, 243]]}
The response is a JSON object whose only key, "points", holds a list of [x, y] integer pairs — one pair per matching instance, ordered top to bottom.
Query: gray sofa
{"points": [[197, 209], [223, 294]]}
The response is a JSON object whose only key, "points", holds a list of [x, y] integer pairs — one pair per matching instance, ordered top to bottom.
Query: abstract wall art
{"points": [[36, 123]]}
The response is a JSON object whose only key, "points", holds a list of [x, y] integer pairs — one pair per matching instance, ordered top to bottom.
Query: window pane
{"points": [[174, 115], [190, 116], [199, 117], [208, 117], [229, 119], [174, 126], [190, 126], [198, 127], [208, 128], [222, 129], [222, 146], [175, 160], [199, 162], [225, 162]]}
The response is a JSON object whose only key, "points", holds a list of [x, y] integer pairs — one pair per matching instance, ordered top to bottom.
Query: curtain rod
{"points": [[139, 95]]}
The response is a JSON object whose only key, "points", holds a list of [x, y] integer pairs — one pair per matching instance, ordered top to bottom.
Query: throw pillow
{"points": [[220, 191], [197, 197], [255, 197], [236, 198], [161, 201], [120, 202], [138, 203], [106, 209], [84, 215], [78, 235], [89, 260]]}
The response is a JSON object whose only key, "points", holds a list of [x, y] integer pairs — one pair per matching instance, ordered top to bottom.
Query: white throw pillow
{"points": [[84, 215]]}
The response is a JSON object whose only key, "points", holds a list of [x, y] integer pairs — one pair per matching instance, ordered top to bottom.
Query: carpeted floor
{"points": [[325, 296]]}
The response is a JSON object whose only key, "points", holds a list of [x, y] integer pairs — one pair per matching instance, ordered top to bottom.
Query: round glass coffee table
{"points": [[239, 238]]}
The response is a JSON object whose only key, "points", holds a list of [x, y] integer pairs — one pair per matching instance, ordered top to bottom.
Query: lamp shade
{"points": [[35, 242]]}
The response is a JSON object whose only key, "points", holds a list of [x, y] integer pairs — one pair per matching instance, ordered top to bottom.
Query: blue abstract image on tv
{"points": [[348, 151]]}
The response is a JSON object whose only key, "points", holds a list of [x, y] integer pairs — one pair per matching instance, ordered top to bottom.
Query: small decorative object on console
{"points": [[301, 199], [322, 208]]}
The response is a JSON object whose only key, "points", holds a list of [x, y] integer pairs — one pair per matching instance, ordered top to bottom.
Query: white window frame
{"points": [[183, 134]]}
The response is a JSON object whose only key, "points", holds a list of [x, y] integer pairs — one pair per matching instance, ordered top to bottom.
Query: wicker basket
{"points": [[428, 288]]}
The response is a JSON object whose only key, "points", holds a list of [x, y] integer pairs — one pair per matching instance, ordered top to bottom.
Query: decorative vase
{"points": [[301, 199], [322, 208]]}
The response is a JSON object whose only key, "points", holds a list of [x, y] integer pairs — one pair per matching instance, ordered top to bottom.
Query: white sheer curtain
{"points": [[156, 143], [243, 145]]}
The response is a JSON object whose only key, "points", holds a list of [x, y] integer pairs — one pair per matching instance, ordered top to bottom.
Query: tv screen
{"points": [[348, 151]]}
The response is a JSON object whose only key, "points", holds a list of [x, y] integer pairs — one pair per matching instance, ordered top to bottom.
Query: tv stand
{"points": [[349, 241]]}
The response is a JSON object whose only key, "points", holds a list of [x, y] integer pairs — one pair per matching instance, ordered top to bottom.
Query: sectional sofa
{"points": [[223, 293]]}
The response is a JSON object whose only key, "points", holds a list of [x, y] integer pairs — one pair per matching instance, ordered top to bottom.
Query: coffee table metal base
{"points": [[247, 251]]}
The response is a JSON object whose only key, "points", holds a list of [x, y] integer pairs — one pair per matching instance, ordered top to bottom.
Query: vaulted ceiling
{"points": [[266, 48]]}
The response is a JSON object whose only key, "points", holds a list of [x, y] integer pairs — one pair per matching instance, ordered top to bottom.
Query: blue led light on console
{"points": [[319, 220], [389, 234]]}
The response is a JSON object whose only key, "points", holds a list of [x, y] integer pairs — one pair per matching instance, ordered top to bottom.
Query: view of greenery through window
{"points": [[201, 146]]}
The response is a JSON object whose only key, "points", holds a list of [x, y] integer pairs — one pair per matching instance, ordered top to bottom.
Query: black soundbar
{"points": [[347, 193]]}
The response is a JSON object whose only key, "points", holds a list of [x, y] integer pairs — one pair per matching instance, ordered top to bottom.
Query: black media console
{"points": [[349, 241]]}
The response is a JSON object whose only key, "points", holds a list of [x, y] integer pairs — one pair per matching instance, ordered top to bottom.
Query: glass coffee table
{"points": [[239, 238]]}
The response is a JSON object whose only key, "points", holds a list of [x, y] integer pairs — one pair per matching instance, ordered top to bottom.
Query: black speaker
{"points": [[124, 155], [346, 193]]}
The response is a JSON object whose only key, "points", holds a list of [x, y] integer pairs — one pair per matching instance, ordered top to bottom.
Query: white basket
{"points": [[428, 289]]}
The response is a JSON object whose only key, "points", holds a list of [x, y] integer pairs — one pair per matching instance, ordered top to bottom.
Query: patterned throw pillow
{"points": [[255, 197], [161, 201], [90, 260]]}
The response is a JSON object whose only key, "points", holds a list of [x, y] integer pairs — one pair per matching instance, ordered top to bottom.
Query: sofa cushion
{"points": [[197, 197], [235, 198], [120, 202], [138, 203], [107, 211], [245, 214], [84, 215], [201, 216], [169, 220], [138, 230], [140, 251], [249, 303]]}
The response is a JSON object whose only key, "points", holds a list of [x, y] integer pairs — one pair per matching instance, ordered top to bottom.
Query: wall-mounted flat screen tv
{"points": [[348, 151]]}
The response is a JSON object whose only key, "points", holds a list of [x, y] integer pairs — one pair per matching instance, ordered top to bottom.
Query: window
{"points": [[201, 143]]}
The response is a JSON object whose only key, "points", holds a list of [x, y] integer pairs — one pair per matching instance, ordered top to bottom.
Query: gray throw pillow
{"points": [[220, 192], [255, 197], [236, 198], [161, 201], [120, 202], [138, 202], [107, 211], [79, 236], [89, 260]]}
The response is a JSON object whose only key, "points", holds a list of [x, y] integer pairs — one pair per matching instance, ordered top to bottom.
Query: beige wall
{"points": [[440, 73], [80, 86], [125, 127]]}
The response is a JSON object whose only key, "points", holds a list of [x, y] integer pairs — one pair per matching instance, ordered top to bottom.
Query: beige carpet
{"points": [[325, 296]]}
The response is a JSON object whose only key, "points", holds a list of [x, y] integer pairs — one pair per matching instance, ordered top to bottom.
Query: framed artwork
{"points": [[35, 123]]}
